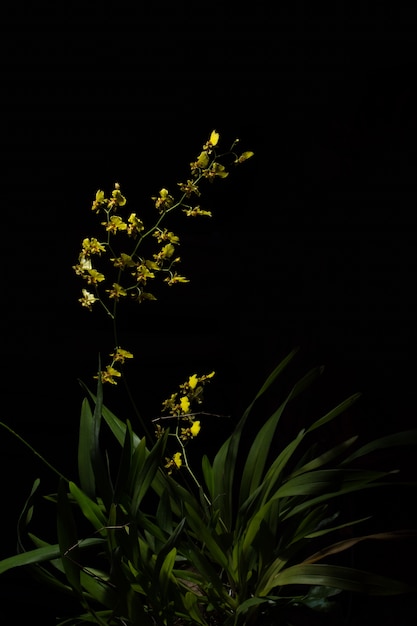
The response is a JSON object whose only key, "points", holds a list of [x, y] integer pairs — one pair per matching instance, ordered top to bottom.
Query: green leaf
{"points": [[274, 375], [340, 408], [116, 425], [118, 428], [403, 438], [85, 444], [258, 454], [326, 457], [224, 462], [136, 465], [100, 468], [148, 472], [207, 474], [122, 479], [327, 481], [324, 484], [260, 496], [90, 509], [164, 513], [26, 514], [207, 536], [67, 539], [172, 540], [346, 544], [39, 555], [30, 557], [208, 573], [165, 576], [345, 578], [96, 583], [249, 603], [191, 606]]}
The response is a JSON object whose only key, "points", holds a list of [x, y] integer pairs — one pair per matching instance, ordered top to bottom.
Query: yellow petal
{"points": [[214, 138]]}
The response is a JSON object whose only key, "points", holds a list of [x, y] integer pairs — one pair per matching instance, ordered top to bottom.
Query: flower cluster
{"points": [[126, 244], [111, 373], [179, 406]]}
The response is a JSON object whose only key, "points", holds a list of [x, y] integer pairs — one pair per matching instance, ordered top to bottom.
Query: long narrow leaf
{"points": [[338, 410], [118, 428], [403, 438], [85, 444], [258, 454], [325, 457], [152, 463], [224, 463], [208, 474], [122, 478], [90, 509], [26, 514], [206, 535], [67, 539], [346, 544], [38, 555], [30, 557], [165, 576], [345, 578]]}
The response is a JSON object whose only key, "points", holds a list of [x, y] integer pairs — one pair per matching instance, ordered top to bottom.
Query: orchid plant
{"points": [[253, 535]]}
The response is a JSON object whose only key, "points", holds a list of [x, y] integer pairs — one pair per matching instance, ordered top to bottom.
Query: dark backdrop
{"points": [[312, 242]]}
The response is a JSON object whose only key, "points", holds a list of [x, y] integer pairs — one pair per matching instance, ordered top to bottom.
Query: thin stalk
{"points": [[35, 452]]}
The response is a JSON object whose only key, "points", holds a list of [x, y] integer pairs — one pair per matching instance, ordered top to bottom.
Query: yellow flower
{"points": [[214, 138], [244, 156], [201, 163], [216, 169], [188, 188], [117, 198], [99, 201], [164, 201], [193, 211], [116, 223], [135, 225], [166, 235], [92, 246], [165, 253], [124, 260], [84, 264], [152, 265], [142, 273], [93, 277], [175, 278], [116, 292], [141, 296], [88, 299], [120, 355], [109, 374], [206, 376], [192, 381], [185, 404], [195, 428], [177, 459], [174, 463]]}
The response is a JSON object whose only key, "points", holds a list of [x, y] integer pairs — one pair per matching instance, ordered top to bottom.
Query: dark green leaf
{"points": [[85, 446], [67, 539], [348, 579]]}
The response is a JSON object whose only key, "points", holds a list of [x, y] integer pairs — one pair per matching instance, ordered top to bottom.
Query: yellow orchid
{"points": [[185, 404], [195, 428]]}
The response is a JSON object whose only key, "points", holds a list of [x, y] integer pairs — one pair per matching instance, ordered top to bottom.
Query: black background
{"points": [[312, 242]]}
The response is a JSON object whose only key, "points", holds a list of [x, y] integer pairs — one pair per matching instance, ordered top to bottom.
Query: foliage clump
{"points": [[248, 537]]}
